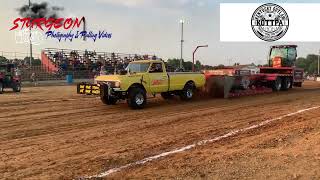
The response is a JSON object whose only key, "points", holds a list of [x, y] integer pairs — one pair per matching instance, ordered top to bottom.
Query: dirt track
{"points": [[52, 133]]}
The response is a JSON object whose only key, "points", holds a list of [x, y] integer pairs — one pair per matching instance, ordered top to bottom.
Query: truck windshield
{"points": [[286, 53], [138, 67]]}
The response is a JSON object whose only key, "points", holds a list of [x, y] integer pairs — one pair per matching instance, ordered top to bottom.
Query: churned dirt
{"points": [[53, 133]]}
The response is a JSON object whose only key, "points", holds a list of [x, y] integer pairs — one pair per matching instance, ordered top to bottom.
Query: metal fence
{"points": [[79, 64], [41, 74]]}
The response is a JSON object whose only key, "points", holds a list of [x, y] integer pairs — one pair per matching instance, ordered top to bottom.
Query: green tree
{"points": [[3, 59], [34, 62], [174, 63], [309, 63], [198, 65], [187, 66], [220, 66]]}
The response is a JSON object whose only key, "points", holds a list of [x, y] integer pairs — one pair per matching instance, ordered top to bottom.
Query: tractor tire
{"points": [[286, 84], [277, 85], [291, 86], [1, 87], [16, 87], [187, 92], [166, 95], [137, 98], [108, 100]]}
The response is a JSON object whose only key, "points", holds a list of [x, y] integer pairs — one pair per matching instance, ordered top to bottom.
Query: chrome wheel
{"points": [[189, 93], [139, 99]]}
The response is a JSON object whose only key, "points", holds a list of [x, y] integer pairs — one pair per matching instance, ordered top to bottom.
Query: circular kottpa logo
{"points": [[270, 22]]}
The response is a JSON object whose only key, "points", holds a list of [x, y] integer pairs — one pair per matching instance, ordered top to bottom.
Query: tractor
{"points": [[10, 77]]}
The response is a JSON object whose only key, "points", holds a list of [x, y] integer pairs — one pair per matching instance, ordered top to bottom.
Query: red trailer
{"points": [[280, 74]]}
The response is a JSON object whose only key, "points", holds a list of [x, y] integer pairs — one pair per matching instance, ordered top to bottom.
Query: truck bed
{"points": [[177, 80]]}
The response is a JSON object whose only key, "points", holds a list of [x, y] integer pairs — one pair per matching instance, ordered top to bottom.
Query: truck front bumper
{"points": [[88, 89], [102, 90]]}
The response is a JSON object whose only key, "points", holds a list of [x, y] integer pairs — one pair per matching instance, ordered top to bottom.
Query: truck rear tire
{"points": [[277, 85], [1, 87], [16, 87], [187, 92], [166, 95], [137, 98]]}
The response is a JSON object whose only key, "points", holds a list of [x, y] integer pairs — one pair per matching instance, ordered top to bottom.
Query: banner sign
{"points": [[254, 22]]}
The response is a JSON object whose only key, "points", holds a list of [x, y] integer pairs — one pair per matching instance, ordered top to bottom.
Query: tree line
{"points": [[25, 61], [174, 64], [309, 64]]}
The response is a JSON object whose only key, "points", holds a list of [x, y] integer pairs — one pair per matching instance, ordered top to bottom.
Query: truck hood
{"points": [[116, 77], [108, 78]]}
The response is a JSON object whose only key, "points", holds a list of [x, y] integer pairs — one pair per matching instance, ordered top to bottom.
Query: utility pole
{"points": [[84, 27], [30, 38], [193, 54], [181, 57]]}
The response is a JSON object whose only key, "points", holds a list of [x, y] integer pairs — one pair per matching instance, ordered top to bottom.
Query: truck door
{"points": [[158, 78]]}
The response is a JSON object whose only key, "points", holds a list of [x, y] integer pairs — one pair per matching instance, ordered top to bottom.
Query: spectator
{"points": [[92, 61], [33, 78]]}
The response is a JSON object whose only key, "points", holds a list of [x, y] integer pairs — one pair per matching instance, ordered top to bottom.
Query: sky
{"points": [[149, 27]]}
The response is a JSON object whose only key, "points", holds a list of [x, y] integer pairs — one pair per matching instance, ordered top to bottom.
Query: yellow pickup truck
{"points": [[141, 78]]}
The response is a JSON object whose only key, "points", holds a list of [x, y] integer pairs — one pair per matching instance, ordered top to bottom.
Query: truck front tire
{"points": [[187, 92], [105, 98], [137, 98]]}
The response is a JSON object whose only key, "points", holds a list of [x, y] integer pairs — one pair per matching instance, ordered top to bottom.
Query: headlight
{"points": [[117, 84]]}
